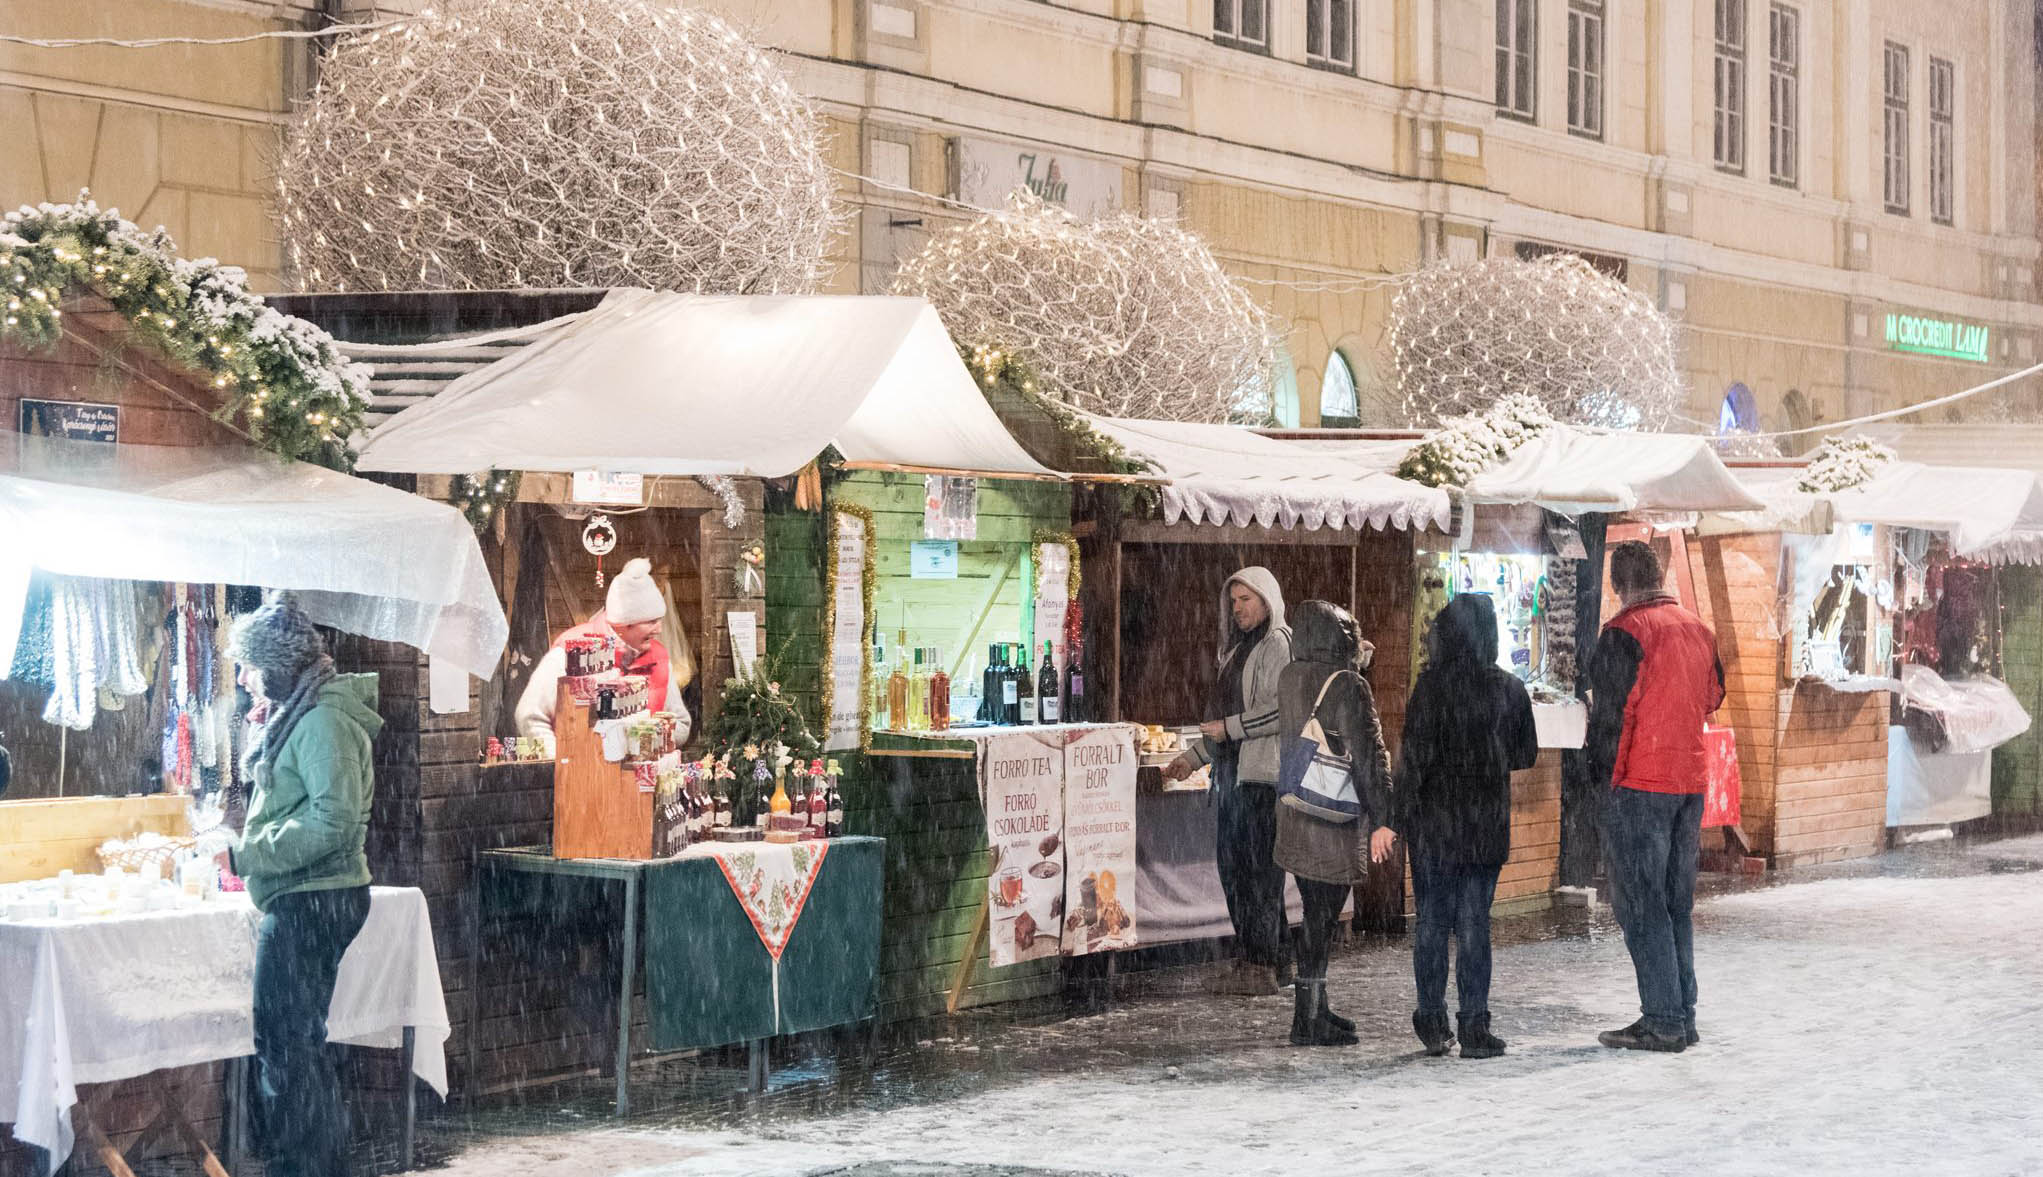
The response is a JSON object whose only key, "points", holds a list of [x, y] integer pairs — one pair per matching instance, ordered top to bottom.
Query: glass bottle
{"points": [[1074, 685], [1026, 686], [897, 691], [939, 692], [918, 695], [1010, 696], [876, 699], [1047, 709], [723, 805], [819, 806], [833, 825]]}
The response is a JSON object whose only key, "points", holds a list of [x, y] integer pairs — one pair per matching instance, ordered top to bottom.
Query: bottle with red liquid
{"points": [[818, 807]]}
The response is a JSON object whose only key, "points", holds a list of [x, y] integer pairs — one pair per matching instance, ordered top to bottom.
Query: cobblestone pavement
{"points": [[1874, 1017]]}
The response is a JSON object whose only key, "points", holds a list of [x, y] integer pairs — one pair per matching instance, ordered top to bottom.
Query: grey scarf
{"points": [[284, 715]]}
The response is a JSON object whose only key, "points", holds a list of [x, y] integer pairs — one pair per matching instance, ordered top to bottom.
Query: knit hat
{"points": [[633, 596], [277, 639]]}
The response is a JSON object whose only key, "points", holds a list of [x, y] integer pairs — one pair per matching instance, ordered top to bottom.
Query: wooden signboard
{"points": [[599, 810], [40, 838]]}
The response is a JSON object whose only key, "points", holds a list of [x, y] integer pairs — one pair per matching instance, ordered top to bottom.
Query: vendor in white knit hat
{"points": [[632, 613]]}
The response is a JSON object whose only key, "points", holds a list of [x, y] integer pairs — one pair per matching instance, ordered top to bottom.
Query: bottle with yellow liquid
{"points": [[897, 688], [918, 695]]}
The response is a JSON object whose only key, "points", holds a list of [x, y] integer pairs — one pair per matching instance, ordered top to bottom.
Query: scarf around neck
{"points": [[284, 715]]}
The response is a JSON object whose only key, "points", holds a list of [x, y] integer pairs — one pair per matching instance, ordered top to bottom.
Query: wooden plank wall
{"points": [[1736, 581], [2018, 764], [1830, 782], [1527, 880]]}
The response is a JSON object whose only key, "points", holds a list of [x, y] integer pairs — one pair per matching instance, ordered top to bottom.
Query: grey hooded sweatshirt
{"points": [[1254, 729]]}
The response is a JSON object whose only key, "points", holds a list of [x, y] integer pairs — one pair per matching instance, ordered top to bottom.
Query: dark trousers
{"points": [[1581, 820], [1652, 841], [1249, 874], [1454, 900], [1323, 903], [301, 1120]]}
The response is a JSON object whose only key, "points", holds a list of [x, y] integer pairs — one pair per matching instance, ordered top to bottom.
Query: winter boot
{"points": [[1344, 1025], [1308, 1028], [1433, 1032], [1689, 1035], [1639, 1036], [1476, 1039]]}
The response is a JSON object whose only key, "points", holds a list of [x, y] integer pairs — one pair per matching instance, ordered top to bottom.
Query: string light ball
{"points": [[556, 143], [1122, 316], [1586, 347]]}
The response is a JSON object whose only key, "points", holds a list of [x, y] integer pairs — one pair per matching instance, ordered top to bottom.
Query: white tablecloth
{"points": [[1561, 725], [1935, 788], [95, 1000]]}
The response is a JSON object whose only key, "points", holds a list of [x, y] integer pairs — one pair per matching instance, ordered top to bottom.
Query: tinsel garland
{"points": [[282, 380], [1454, 454], [1842, 463], [726, 491], [481, 497], [863, 517], [1072, 577]]}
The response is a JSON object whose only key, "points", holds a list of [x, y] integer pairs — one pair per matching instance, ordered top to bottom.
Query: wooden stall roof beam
{"points": [[896, 468], [1152, 531]]}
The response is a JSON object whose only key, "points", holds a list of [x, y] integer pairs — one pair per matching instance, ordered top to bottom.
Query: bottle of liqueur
{"points": [[1074, 685], [1027, 688], [897, 689], [1010, 691], [939, 692], [918, 695], [1047, 708], [833, 825]]}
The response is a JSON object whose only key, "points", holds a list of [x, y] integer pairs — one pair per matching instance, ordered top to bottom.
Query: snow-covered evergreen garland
{"points": [[281, 379], [1466, 446], [1843, 463]]}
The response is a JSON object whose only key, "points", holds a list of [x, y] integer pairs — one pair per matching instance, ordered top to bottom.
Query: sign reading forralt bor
{"points": [[1937, 337]]}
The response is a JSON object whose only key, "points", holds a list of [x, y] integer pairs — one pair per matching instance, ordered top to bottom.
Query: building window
{"points": [[1242, 23], [1517, 30], [1330, 34], [1585, 67], [1728, 86], [1895, 92], [1783, 95], [1943, 146], [1284, 391], [1339, 407], [1739, 413]]}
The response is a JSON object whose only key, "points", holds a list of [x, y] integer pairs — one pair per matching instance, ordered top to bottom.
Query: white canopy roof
{"points": [[662, 383], [1571, 471], [1226, 474], [1986, 511], [361, 557]]}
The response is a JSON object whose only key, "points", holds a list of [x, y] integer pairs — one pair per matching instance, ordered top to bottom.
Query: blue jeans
{"points": [[1652, 842], [1453, 899], [298, 946]]}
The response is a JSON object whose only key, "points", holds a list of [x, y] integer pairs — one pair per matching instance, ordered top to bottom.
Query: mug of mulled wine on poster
{"points": [[1025, 818]]}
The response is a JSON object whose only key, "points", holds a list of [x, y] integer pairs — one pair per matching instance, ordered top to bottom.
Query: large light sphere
{"points": [[556, 143], [1123, 316], [1589, 349]]}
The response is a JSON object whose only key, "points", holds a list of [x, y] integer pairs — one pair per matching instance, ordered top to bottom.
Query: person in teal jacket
{"points": [[309, 765]]}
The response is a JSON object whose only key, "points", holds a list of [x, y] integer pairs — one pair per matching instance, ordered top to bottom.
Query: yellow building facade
{"points": [[1836, 198]]}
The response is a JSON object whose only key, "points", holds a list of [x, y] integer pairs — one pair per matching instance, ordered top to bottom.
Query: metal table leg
{"points": [[627, 974], [756, 1066], [471, 1083], [411, 1096]]}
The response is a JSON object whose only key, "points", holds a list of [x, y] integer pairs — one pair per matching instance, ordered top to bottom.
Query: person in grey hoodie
{"points": [[1240, 741], [301, 853]]}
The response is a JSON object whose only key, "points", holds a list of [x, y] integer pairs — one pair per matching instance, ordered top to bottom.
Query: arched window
{"points": [[1284, 391], [1338, 407], [1739, 412]]}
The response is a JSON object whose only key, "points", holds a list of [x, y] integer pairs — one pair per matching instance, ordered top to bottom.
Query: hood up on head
{"points": [[1263, 583], [1322, 631], [1465, 632]]}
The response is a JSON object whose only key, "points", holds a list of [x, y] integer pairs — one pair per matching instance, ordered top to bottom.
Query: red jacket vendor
{"points": [[633, 611]]}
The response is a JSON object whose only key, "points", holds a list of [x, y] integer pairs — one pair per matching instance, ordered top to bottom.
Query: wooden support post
{"points": [[973, 947]]}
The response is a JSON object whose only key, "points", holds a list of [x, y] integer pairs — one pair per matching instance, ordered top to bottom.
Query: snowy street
{"points": [[1880, 1017]]}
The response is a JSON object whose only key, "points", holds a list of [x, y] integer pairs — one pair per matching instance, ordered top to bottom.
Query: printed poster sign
{"points": [[70, 420], [613, 490], [950, 507], [933, 559], [1053, 600], [847, 634], [1022, 786], [1099, 840]]}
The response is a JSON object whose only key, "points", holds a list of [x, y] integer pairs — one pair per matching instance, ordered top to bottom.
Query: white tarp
{"points": [[662, 383], [1572, 471], [1224, 474], [1977, 506], [361, 557]]}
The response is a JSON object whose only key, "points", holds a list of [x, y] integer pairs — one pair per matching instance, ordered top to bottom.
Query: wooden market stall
{"points": [[140, 511]]}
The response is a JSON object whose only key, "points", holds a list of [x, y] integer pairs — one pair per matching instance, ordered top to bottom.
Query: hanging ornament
{"points": [[599, 538], [751, 575]]}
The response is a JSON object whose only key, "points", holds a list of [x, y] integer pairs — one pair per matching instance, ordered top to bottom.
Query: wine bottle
{"points": [[1074, 686], [989, 687], [1027, 687], [1046, 687], [1010, 691]]}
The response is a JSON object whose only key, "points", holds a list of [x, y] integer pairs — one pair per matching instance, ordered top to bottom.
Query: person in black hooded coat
{"points": [[1468, 727]]}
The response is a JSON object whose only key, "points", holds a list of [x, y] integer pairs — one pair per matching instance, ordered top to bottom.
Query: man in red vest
{"points": [[632, 612], [1654, 679]]}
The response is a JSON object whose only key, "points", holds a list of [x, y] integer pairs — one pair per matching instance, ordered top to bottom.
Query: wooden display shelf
{"points": [[599, 810], [39, 838]]}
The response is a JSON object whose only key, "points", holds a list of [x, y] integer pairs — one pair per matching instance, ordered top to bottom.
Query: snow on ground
{"points": [[1862, 1025]]}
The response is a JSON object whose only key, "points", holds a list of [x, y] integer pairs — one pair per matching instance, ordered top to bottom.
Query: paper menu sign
{"points": [[618, 490], [744, 629], [847, 635], [1021, 779], [1099, 840]]}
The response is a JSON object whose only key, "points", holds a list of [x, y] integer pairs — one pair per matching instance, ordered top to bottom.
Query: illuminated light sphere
{"points": [[556, 143], [1123, 316], [1589, 349]]}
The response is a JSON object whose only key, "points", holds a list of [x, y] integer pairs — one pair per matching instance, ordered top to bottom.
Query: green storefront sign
{"points": [[1937, 337]]}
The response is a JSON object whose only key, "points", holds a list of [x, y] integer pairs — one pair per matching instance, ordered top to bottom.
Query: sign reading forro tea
{"points": [[983, 172], [1022, 783]]}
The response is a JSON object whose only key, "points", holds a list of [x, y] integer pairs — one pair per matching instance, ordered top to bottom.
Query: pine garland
{"points": [[284, 382], [1454, 454], [1843, 463], [481, 497]]}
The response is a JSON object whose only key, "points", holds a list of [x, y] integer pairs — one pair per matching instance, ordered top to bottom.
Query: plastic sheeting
{"points": [[660, 383], [1572, 471], [1225, 474], [1976, 506], [361, 557], [1978, 714], [1927, 788]]}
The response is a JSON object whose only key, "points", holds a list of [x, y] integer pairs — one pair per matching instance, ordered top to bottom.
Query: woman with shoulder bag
{"points": [[1468, 727], [1334, 780]]}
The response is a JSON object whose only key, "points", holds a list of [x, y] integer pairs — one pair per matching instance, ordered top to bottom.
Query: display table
{"points": [[1177, 881], [797, 952], [101, 999]]}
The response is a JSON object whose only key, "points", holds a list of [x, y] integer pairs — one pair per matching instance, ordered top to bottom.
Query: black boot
{"points": [[1344, 1025], [1308, 1028], [1433, 1032], [1638, 1036], [1476, 1039]]}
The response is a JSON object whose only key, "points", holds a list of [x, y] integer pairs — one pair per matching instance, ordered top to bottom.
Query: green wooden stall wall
{"points": [[2018, 764], [927, 808]]}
